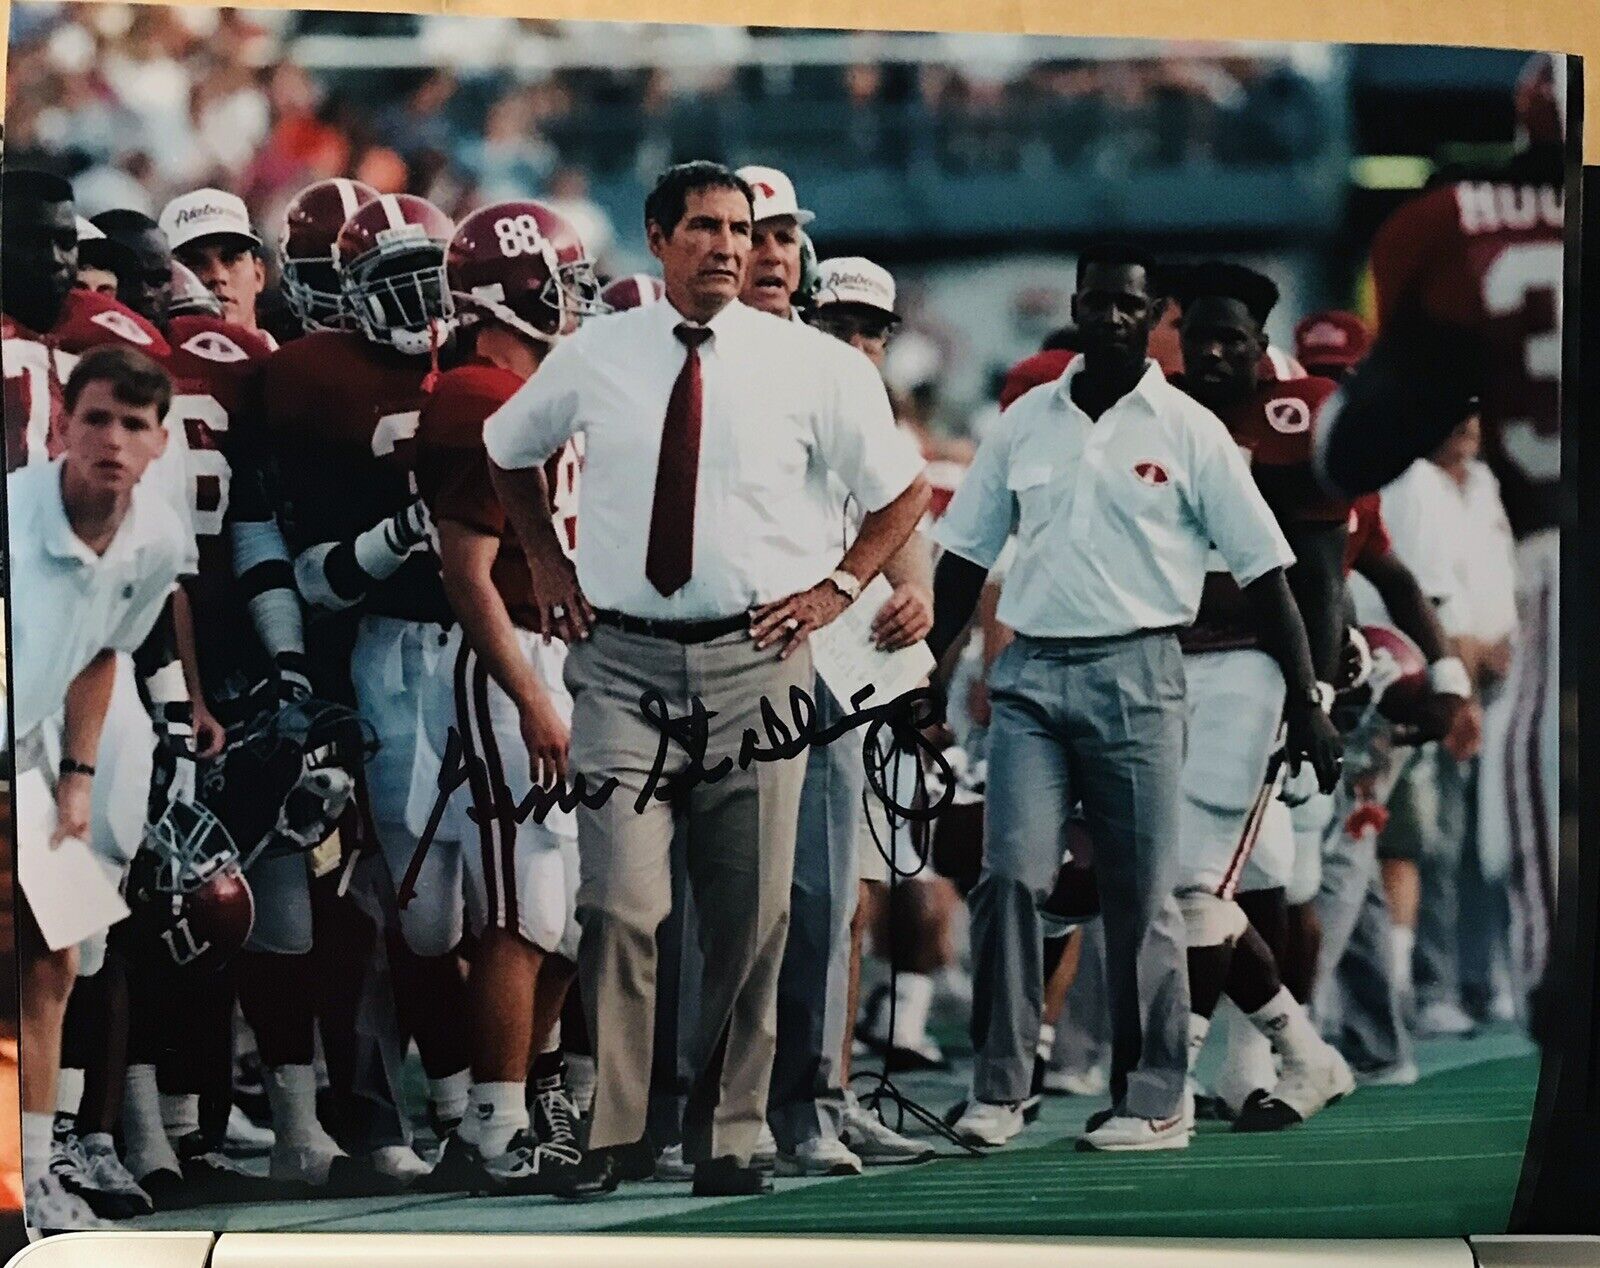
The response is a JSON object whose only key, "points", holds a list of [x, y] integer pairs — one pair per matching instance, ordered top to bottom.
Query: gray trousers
{"points": [[1103, 722], [739, 860], [678, 969], [1437, 972], [1355, 981], [807, 1096]]}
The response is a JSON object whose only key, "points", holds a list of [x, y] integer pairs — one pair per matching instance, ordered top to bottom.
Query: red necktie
{"points": [[669, 559]]}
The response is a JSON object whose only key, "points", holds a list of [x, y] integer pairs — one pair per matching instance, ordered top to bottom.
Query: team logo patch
{"points": [[764, 189], [121, 325], [212, 345], [1289, 415], [1151, 473]]}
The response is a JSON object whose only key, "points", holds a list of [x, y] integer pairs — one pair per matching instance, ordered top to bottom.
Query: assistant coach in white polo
{"points": [[1119, 486], [708, 547]]}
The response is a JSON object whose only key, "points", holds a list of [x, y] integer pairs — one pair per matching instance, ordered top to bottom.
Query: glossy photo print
{"points": [[620, 626]]}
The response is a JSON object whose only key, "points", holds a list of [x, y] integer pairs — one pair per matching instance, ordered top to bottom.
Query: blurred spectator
{"points": [[513, 160], [569, 194]]}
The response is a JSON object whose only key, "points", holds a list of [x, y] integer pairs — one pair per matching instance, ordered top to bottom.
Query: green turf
{"points": [[1438, 1159]]}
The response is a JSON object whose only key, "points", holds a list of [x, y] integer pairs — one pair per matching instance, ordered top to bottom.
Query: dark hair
{"points": [[29, 185], [666, 202], [123, 223], [1113, 255], [1222, 280], [135, 379]]}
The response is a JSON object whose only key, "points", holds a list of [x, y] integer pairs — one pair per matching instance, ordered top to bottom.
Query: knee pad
{"points": [[433, 921], [1209, 921]]}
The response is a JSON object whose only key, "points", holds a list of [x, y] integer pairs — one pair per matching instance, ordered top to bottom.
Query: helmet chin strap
{"points": [[430, 379]]}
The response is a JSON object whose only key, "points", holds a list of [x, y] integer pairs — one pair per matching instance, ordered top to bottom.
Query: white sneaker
{"points": [[1443, 1017], [1405, 1074], [1093, 1082], [1308, 1086], [989, 1125], [1132, 1135], [246, 1137], [876, 1143], [765, 1156], [819, 1156], [399, 1162], [307, 1163], [670, 1165], [108, 1188], [51, 1209]]}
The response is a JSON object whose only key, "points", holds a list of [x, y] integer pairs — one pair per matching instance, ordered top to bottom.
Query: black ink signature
{"points": [[903, 717]]}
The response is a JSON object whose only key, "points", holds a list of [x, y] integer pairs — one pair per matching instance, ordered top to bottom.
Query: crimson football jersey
{"points": [[1485, 257], [37, 365], [216, 368], [341, 419], [1274, 429], [453, 475]]}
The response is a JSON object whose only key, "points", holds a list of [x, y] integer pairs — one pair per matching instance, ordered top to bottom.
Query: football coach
{"points": [[1119, 486], [708, 553]]}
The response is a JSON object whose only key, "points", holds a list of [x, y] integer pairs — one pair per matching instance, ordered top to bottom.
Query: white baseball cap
{"points": [[774, 195], [206, 213], [88, 231], [851, 279]]}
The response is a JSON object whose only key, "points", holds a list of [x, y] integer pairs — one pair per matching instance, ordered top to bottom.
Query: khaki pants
{"points": [[740, 857]]}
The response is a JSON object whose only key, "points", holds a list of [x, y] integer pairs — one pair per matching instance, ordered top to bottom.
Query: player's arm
{"points": [[466, 558], [264, 571], [339, 574], [1316, 579], [558, 599], [1414, 616], [164, 686], [84, 717], [208, 732]]}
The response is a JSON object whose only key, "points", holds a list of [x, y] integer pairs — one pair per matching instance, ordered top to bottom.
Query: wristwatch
{"points": [[846, 583], [1318, 696], [69, 766]]}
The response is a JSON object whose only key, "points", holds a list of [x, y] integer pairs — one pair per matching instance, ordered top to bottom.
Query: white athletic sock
{"points": [[1403, 942], [913, 997], [1284, 1023], [1199, 1028], [553, 1043], [1246, 1057], [69, 1091], [292, 1093], [448, 1095], [180, 1113], [497, 1113], [144, 1138], [98, 1143], [36, 1144]]}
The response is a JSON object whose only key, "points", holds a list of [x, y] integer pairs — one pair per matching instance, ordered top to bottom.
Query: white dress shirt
{"points": [[783, 406], [1115, 518], [1429, 527], [1489, 561], [72, 604]]}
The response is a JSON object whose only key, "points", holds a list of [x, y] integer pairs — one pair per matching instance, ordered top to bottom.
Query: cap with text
{"points": [[774, 195], [207, 213], [854, 280]]}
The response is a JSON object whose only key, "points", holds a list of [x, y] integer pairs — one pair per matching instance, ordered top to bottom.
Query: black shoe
{"points": [[1213, 1109], [1263, 1112], [553, 1116], [1098, 1119], [526, 1169], [594, 1177], [357, 1178], [726, 1178], [165, 1189]]}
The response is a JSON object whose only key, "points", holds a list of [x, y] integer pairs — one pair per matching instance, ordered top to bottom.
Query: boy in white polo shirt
{"points": [[96, 558]]}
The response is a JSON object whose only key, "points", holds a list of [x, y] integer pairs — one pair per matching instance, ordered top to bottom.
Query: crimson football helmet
{"points": [[1541, 103], [311, 226], [390, 258], [522, 263], [635, 290], [190, 298], [1399, 678], [190, 906]]}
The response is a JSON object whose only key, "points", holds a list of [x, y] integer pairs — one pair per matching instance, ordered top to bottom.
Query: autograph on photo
{"points": [[777, 740]]}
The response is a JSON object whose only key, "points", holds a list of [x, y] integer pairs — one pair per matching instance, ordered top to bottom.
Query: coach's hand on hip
{"points": [[792, 620]]}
